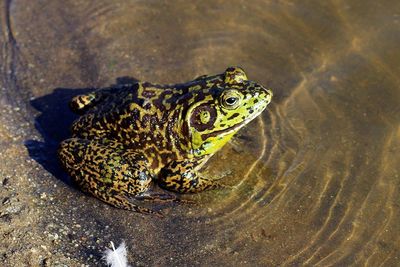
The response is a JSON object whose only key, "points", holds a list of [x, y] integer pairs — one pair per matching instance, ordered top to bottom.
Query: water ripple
{"points": [[315, 178]]}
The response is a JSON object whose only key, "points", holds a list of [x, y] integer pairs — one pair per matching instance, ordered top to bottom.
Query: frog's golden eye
{"points": [[231, 99]]}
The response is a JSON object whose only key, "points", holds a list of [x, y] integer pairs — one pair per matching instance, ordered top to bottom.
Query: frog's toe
{"points": [[80, 103], [222, 175], [162, 197], [185, 201], [123, 202], [148, 211]]}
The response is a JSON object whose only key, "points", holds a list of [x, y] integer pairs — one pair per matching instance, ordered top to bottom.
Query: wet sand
{"points": [[316, 178]]}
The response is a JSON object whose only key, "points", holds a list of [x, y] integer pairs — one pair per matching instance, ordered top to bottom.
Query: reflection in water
{"points": [[315, 178]]}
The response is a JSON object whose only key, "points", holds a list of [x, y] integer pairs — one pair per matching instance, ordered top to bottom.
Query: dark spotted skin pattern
{"points": [[133, 134]]}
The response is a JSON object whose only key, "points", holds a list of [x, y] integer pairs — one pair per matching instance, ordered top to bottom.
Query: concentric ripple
{"points": [[315, 178]]}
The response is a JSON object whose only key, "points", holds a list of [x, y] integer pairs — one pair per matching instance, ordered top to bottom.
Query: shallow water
{"points": [[316, 177]]}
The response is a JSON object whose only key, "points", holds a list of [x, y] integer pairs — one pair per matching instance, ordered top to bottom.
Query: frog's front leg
{"points": [[107, 171], [182, 177]]}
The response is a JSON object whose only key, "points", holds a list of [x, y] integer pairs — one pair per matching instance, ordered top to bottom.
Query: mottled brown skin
{"points": [[132, 134]]}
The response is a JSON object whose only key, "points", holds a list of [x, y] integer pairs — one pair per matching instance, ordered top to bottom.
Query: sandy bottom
{"points": [[315, 178]]}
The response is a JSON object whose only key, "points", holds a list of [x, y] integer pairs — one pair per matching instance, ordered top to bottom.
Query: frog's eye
{"points": [[231, 99]]}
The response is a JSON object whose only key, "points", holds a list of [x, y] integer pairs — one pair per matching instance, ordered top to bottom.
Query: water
{"points": [[315, 178]]}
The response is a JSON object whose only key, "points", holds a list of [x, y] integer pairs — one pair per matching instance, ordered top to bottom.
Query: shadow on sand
{"points": [[53, 123]]}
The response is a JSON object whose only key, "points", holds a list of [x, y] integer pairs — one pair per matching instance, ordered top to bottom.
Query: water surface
{"points": [[315, 178]]}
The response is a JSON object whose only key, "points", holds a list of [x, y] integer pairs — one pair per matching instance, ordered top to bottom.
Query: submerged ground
{"points": [[316, 176]]}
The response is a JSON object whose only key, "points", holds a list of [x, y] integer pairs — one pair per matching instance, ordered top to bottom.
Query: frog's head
{"points": [[231, 103]]}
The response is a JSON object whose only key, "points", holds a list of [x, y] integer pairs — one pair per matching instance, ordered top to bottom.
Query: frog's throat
{"points": [[208, 143]]}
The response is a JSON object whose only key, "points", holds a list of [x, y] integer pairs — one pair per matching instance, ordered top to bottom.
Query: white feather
{"points": [[116, 257]]}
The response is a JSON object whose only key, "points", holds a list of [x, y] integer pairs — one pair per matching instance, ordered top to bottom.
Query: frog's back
{"points": [[103, 99], [137, 111], [134, 115]]}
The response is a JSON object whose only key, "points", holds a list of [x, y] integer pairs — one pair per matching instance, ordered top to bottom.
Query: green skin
{"points": [[132, 134]]}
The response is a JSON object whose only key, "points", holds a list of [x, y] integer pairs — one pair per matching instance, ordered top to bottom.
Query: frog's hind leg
{"points": [[107, 171]]}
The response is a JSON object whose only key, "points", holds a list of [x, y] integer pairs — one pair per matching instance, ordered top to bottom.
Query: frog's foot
{"points": [[222, 175], [181, 177], [210, 184], [183, 185], [221, 185], [161, 197], [122, 202]]}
